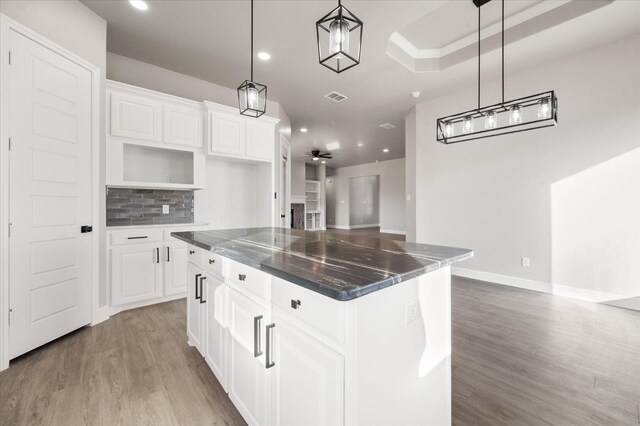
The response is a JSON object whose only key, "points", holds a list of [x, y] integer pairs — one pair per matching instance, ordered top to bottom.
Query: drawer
{"points": [[135, 236], [194, 254], [212, 263], [249, 279], [319, 312]]}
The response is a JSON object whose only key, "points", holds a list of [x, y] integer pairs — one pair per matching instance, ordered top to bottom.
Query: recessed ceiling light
{"points": [[139, 4], [264, 56], [416, 94], [387, 126], [303, 130], [360, 145], [385, 150], [377, 161], [324, 162]]}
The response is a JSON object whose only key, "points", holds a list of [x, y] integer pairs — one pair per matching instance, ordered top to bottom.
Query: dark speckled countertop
{"points": [[342, 267]]}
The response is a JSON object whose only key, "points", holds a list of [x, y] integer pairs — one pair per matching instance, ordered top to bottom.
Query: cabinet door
{"points": [[135, 117], [182, 125], [227, 134], [260, 140], [175, 259], [136, 274], [195, 310], [215, 328], [247, 372], [307, 382]]}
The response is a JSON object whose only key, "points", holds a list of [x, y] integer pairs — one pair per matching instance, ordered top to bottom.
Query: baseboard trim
{"points": [[374, 225], [337, 227], [393, 231], [543, 287], [117, 309], [101, 315]]}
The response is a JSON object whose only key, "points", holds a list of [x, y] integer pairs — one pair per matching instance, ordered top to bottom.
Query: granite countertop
{"points": [[342, 267]]}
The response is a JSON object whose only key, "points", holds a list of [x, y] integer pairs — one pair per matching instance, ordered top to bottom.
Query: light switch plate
{"points": [[165, 209]]}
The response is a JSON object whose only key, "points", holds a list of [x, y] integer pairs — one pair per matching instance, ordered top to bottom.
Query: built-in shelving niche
{"points": [[157, 165]]}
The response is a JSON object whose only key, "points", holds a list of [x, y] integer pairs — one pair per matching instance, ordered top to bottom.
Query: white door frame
{"points": [[6, 25], [284, 144]]}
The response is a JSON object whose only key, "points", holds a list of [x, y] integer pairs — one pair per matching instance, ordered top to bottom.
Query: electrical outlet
{"points": [[165, 209], [525, 261], [411, 312]]}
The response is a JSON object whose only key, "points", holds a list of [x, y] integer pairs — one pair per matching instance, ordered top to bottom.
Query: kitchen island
{"points": [[305, 328]]}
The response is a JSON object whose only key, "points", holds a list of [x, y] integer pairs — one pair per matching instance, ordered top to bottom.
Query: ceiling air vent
{"points": [[335, 96], [387, 126]]}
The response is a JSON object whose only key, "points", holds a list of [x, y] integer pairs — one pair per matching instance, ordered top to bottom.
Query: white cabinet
{"points": [[135, 117], [182, 125], [227, 134], [232, 135], [260, 140], [175, 267], [136, 274], [195, 308], [216, 328], [307, 382], [247, 384]]}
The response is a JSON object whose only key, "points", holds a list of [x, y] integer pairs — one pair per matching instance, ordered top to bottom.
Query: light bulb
{"points": [[338, 36], [252, 97], [544, 109], [516, 115], [490, 120], [467, 124], [448, 129], [315, 158]]}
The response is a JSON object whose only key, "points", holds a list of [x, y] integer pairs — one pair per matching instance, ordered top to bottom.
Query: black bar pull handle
{"points": [[137, 238], [157, 254], [168, 254], [197, 277], [201, 290], [257, 337], [268, 360]]}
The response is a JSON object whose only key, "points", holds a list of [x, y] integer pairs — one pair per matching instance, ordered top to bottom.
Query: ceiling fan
{"points": [[317, 155]]}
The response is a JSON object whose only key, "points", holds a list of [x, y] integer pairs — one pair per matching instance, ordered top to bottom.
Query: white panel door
{"points": [[135, 117], [182, 125], [227, 134], [260, 140], [50, 195], [175, 259], [136, 273], [195, 310], [215, 328], [307, 382], [247, 383]]}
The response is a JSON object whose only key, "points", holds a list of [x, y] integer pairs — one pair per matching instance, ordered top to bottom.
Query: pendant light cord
{"points": [[479, 7], [252, 40]]}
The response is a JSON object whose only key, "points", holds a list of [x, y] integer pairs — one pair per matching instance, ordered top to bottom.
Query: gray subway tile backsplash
{"points": [[127, 206]]}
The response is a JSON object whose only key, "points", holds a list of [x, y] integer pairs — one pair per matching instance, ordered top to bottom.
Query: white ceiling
{"points": [[210, 40]]}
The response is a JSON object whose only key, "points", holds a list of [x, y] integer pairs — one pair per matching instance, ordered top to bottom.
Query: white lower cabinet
{"points": [[175, 267], [136, 274], [195, 308], [216, 328], [307, 380], [247, 385]]}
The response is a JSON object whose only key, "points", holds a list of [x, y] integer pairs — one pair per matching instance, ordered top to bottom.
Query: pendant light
{"points": [[339, 37], [252, 96], [518, 115]]}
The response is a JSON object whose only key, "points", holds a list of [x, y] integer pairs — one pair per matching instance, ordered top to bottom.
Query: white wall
{"points": [[76, 28], [297, 178], [392, 194], [494, 195]]}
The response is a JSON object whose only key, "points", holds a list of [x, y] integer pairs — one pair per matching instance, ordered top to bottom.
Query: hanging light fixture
{"points": [[339, 36], [252, 96], [517, 115]]}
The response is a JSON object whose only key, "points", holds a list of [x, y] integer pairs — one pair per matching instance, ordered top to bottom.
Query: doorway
{"points": [[364, 201]]}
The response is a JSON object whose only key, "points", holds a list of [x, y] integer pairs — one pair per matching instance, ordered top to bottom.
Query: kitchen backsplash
{"points": [[144, 206]]}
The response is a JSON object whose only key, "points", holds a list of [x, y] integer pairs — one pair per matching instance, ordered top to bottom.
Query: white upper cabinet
{"points": [[135, 117], [182, 125], [227, 134], [232, 135], [260, 140]]}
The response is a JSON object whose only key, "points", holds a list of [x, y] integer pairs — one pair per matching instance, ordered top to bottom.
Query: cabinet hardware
{"points": [[85, 229], [137, 238], [191, 251], [157, 254], [168, 254], [212, 261], [197, 276], [242, 277], [201, 290], [295, 304], [257, 337], [268, 360]]}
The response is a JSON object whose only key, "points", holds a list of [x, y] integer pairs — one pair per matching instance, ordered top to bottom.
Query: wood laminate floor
{"points": [[519, 358]]}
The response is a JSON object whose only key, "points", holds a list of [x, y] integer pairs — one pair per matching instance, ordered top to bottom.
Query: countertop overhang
{"points": [[342, 267]]}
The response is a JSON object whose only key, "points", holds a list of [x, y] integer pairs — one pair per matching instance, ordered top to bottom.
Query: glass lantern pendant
{"points": [[339, 37], [252, 96], [544, 108], [515, 116], [491, 120], [467, 124]]}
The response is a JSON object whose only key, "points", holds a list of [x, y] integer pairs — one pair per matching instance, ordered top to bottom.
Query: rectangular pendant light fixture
{"points": [[518, 115]]}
